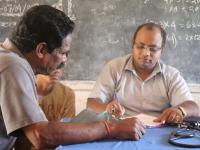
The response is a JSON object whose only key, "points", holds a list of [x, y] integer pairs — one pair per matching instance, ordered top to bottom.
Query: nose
{"points": [[146, 51], [64, 58]]}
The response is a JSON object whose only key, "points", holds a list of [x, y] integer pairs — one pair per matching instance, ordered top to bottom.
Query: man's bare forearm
{"points": [[52, 134]]}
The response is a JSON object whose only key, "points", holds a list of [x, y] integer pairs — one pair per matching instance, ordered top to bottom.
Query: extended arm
{"points": [[180, 99], [96, 105], [113, 107], [178, 113], [52, 134]]}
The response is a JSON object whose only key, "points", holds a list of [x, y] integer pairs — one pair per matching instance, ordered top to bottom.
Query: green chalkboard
{"points": [[104, 29]]}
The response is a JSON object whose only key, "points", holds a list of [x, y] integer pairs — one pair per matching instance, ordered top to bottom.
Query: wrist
{"points": [[182, 110], [107, 127], [111, 128]]}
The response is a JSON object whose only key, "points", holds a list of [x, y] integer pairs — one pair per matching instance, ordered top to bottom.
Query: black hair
{"points": [[41, 23], [151, 26]]}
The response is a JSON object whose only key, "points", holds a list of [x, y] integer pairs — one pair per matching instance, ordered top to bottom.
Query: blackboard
{"points": [[104, 29]]}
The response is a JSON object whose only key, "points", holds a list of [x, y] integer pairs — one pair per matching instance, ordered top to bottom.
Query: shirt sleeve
{"points": [[105, 84], [178, 89], [18, 100]]}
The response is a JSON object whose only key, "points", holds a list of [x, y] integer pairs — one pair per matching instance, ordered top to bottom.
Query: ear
{"points": [[41, 49]]}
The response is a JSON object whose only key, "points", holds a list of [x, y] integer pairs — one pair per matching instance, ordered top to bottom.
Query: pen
{"points": [[115, 97]]}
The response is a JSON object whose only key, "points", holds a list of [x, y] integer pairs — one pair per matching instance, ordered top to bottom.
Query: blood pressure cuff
{"points": [[193, 121], [189, 129]]}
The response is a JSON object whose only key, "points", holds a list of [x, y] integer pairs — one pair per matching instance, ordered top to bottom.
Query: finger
{"points": [[116, 106], [110, 108], [118, 109], [113, 110], [122, 110], [164, 116], [179, 116], [171, 117], [160, 119], [177, 119], [140, 123], [140, 127], [137, 130], [141, 131], [139, 134], [135, 135]]}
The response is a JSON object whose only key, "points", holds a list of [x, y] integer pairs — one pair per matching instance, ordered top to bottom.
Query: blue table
{"points": [[154, 139]]}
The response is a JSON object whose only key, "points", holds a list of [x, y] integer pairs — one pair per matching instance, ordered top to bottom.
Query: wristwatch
{"points": [[182, 111]]}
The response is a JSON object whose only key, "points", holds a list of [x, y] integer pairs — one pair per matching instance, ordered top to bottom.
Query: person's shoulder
{"points": [[9, 58], [120, 59], [12, 62], [119, 62], [169, 71]]}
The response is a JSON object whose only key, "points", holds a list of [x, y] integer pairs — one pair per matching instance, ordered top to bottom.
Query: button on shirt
{"points": [[163, 88]]}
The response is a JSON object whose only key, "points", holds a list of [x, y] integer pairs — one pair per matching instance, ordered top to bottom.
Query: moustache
{"points": [[62, 65]]}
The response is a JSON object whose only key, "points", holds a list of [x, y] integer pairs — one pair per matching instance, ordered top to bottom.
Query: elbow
{"points": [[88, 103], [195, 108], [39, 137], [37, 140], [39, 143]]}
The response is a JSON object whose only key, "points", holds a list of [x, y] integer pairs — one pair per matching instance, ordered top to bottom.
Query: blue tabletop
{"points": [[154, 139]]}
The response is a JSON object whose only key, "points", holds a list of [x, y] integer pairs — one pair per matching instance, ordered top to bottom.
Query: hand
{"points": [[56, 75], [115, 108], [170, 115], [131, 129]]}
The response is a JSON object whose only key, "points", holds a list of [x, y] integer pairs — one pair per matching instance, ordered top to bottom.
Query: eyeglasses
{"points": [[152, 49]]}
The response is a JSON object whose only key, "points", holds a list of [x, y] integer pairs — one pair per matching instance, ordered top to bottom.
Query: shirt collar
{"points": [[9, 45], [129, 66], [158, 68]]}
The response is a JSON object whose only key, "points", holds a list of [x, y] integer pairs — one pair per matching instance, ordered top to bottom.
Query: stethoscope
{"points": [[184, 133]]}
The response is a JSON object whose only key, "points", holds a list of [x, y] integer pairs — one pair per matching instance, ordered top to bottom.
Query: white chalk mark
{"points": [[146, 1], [58, 5], [69, 10], [174, 40]]}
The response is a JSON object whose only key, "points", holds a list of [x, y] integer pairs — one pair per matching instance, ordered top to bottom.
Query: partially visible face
{"points": [[147, 48], [58, 58], [56, 74]]}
